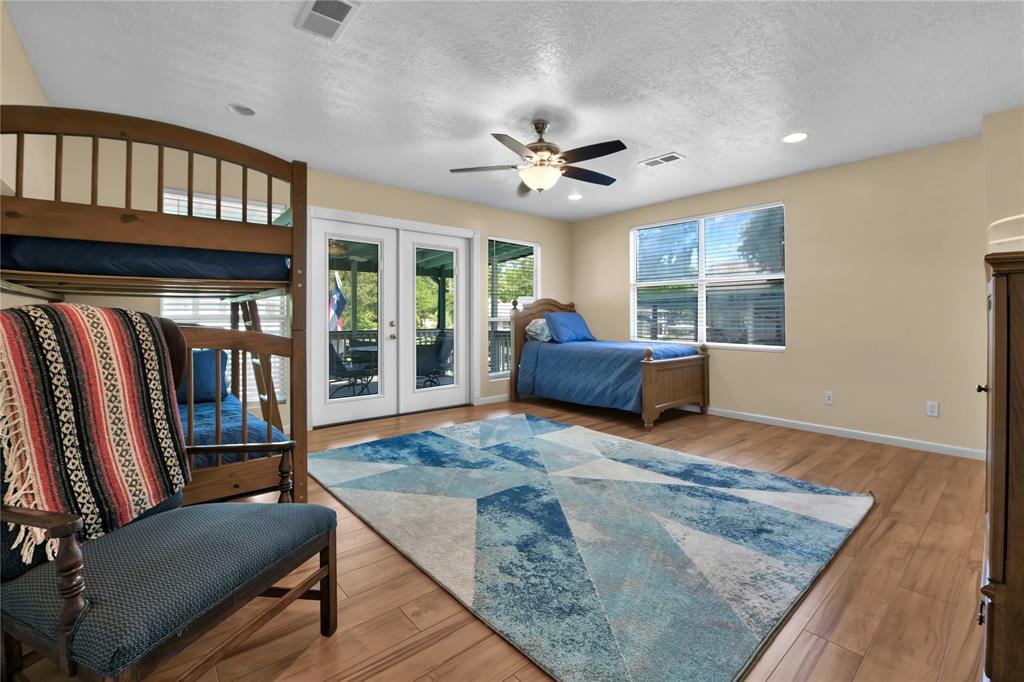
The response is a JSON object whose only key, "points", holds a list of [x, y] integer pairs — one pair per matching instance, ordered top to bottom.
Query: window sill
{"points": [[722, 346], [501, 376]]}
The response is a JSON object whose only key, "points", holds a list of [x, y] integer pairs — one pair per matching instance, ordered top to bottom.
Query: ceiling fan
{"points": [[545, 163]]}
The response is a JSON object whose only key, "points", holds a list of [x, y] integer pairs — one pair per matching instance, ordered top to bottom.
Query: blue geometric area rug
{"points": [[599, 557]]}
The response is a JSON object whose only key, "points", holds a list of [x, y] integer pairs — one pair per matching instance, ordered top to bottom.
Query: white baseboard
{"points": [[488, 399], [910, 443]]}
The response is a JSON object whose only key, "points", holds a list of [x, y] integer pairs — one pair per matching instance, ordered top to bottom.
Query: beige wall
{"points": [[1003, 141], [333, 191], [884, 294]]}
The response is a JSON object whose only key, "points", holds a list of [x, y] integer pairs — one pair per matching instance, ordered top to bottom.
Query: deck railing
{"points": [[499, 344]]}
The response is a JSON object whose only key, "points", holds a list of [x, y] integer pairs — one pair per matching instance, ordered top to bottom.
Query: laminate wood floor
{"points": [[898, 603]]}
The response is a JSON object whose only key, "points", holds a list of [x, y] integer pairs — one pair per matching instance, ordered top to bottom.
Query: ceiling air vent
{"points": [[325, 17], [662, 159]]}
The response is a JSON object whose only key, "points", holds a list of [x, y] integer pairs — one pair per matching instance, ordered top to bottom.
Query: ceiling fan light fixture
{"points": [[539, 178]]}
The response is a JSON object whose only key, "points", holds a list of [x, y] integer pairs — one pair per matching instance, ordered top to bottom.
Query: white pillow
{"points": [[538, 330]]}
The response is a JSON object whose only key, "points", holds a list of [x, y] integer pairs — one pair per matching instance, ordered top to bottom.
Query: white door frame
{"points": [[475, 279]]}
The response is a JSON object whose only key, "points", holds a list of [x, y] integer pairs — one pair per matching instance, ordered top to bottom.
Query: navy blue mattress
{"points": [[73, 256], [599, 373], [230, 429]]}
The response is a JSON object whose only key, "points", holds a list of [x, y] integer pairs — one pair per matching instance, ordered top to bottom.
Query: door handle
{"points": [[982, 389]]}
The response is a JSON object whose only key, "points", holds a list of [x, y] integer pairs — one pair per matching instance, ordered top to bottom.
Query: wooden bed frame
{"points": [[56, 218], [666, 383]]}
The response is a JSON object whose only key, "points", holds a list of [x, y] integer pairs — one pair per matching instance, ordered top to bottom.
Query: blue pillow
{"points": [[566, 327], [204, 369]]}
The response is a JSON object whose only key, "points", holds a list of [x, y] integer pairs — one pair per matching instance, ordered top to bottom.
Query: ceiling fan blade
{"points": [[514, 144], [592, 151], [475, 169], [587, 175], [523, 189]]}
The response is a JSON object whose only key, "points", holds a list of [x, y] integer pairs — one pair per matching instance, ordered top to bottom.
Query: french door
{"points": [[389, 321]]}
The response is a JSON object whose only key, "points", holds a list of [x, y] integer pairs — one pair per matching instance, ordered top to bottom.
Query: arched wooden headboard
{"points": [[521, 318]]}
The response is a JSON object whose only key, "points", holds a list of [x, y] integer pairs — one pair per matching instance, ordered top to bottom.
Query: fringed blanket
{"points": [[88, 420]]}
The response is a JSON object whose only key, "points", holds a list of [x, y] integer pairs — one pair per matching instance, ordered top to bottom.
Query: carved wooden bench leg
{"points": [[329, 588]]}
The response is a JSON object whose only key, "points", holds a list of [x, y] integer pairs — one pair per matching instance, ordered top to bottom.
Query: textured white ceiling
{"points": [[414, 88]]}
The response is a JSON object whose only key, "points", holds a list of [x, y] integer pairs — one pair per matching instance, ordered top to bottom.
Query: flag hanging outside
{"points": [[336, 305]]}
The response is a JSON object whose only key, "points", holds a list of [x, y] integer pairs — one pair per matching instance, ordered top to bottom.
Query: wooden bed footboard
{"points": [[673, 382], [668, 383]]}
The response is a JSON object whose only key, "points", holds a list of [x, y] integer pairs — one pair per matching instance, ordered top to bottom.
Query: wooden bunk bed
{"points": [[664, 383], [228, 468]]}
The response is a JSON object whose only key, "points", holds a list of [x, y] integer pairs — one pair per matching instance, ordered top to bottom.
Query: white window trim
{"points": [[702, 281], [504, 376]]}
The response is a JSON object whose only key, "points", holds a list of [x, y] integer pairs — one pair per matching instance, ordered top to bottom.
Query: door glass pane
{"points": [[435, 318], [353, 327]]}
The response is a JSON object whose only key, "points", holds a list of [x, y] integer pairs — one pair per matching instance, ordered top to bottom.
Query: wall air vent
{"points": [[325, 17], [661, 159]]}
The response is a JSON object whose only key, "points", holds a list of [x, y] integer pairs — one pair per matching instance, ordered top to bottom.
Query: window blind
{"points": [[205, 206], [745, 243], [667, 253], [717, 279], [211, 312], [668, 313], [750, 313]]}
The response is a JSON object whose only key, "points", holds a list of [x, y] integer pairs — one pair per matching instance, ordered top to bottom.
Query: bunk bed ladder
{"points": [[261, 368]]}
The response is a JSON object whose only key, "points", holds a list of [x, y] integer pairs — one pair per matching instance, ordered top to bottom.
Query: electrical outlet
{"points": [[828, 397], [931, 408]]}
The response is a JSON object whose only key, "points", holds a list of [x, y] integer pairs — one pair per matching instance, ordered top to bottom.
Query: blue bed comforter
{"points": [[78, 257], [599, 373], [231, 429]]}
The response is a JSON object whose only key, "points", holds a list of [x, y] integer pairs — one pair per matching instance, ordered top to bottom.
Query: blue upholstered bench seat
{"points": [[146, 581]]}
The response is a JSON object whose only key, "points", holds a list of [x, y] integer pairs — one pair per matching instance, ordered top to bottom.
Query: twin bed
{"points": [[53, 247], [637, 377]]}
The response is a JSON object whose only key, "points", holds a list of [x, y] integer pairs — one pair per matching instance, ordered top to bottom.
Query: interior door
{"points": [[433, 321], [354, 366]]}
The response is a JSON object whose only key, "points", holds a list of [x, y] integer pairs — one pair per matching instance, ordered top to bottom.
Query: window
{"points": [[205, 206], [513, 271], [714, 279], [213, 312]]}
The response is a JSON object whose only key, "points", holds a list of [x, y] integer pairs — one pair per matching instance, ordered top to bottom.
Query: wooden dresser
{"points": [[1002, 609]]}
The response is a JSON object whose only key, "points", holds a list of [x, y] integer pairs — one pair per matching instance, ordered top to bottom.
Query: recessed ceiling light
{"points": [[241, 110], [793, 138], [575, 196]]}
